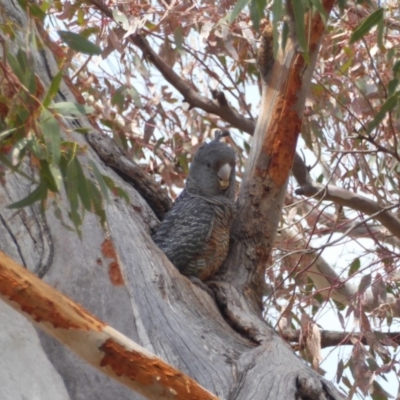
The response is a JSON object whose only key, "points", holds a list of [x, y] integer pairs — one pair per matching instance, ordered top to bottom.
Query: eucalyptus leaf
{"points": [[239, 6], [299, 11], [257, 12], [367, 25], [178, 36], [79, 43], [53, 89], [387, 106], [68, 108], [52, 136], [51, 176], [100, 180], [82, 186], [40, 193], [72, 194], [96, 197], [354, 266]]}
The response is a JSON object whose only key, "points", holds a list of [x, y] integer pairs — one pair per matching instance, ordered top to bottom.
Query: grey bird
{"points": [[194, 235]]}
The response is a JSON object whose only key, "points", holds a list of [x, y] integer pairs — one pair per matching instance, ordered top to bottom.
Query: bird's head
{"points": [[212, 171]]}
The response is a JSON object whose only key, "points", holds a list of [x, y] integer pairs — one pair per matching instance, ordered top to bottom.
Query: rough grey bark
{"points": [[152, 304]]}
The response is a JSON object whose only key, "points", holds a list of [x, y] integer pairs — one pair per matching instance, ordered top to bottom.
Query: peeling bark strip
{"points": [[281, 138], [114, 269], [39, 302], [97, 343], [166, 381]]}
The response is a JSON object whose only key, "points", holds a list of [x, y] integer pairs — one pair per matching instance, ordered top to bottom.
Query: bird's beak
{"points": [[224, 174]]}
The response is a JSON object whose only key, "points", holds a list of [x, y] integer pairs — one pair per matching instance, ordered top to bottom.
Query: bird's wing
{"points": [[185, 230]]}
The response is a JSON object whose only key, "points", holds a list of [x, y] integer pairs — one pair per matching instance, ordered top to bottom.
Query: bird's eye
{"points": [[208, 165]]}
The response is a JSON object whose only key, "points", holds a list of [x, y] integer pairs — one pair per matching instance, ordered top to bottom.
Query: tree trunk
{"points": [[120, 275]]}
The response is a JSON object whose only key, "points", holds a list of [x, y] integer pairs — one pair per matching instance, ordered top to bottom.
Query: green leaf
{"points": [[23, 4], [45, 5], [342, 5], [33, 9], [237, 10], [36, 11], [298, 11], [257, 12], [81, 17], [365, 26], [93, 30], [380, 30], [178, 36], [79, 43], [15, 66], [345, 67], [396, 67], [29, 80], [392, 86], [53, 89], [135, 96], [119, 97], [387, 106], [68, 108], [21, 116], [82, 130], [51, 134], [37, 149], [14, 168], [51, 175], [56, 175], [320, 178], [100, 180], [82, 184], [115, 189], [40, 193], [72, 193], [121, 193], [96, 197], [354, 266]]}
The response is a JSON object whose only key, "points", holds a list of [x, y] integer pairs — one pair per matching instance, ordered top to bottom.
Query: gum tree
{"points": [[102, 107]]}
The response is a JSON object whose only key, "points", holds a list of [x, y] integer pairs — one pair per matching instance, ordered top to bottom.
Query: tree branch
{"points": [[189, 93], [112, 155], [343, 197], [372, 230], [330, 284], [335, 338], [94, 341]]}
